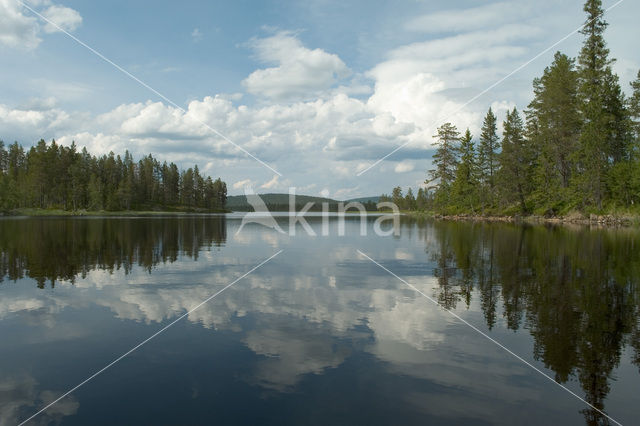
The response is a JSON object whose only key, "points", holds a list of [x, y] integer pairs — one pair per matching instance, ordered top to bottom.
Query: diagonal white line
{"points": [[133, 77], [398, 148], [482, 333], [149, 338]]}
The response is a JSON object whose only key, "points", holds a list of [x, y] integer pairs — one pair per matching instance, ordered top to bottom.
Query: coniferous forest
{"points": [[576, 148], [57, 177]]}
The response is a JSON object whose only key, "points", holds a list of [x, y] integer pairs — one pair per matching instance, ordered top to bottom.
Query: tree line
{"points": [[576, 148], [52, 176]]}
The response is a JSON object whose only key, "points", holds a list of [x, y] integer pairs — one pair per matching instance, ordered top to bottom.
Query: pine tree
{"points": [[634, 108], [553, 128], [603, 135], [488, 156], [445, 162], [516, 162], [220, 188], [464, 188], [187, 190], [95, 193], [397, 198], [421, 199], [409, 200]]}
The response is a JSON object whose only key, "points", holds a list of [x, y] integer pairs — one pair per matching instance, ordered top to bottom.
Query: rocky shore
{"points": [[576, 218]]}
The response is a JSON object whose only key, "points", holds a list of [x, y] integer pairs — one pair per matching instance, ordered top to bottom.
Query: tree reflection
{"points": [[63, 249], [575, 290]]}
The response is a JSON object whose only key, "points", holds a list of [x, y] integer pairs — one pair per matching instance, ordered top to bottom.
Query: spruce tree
{"points": [[634, 108], [553, 129], [604, 136], [488, 156], [445, 161], [516, 162], [464, 188], [397, 198], [421, 199], [409, 200]]}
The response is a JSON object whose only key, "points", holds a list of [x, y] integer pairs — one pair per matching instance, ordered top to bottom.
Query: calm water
{"points": [[319, 335]]}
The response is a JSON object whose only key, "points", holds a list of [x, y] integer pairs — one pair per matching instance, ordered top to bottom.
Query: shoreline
{"points": [[99, 213], [608, 220]]}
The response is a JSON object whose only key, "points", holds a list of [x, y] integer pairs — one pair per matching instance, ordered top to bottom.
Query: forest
{"points": [[576, 148], [52, 176]]}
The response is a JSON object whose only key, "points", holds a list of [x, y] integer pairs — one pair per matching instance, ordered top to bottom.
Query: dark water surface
{"points": [[318, 335]]}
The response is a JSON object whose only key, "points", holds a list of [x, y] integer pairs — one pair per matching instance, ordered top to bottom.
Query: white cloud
{"points": [[485, 16], [64, 17], [18, 29], [300, 71], [39, 104], [34, 118], [404, 166], [272, 183], [242, 184]]}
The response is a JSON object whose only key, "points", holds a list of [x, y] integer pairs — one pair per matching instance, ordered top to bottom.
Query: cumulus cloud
{"points": [[64, 18], [16, 29], [20, 30], [300, 72], [417, 83], [38, 116], [404, 167], [244, 183], [271, 183]]}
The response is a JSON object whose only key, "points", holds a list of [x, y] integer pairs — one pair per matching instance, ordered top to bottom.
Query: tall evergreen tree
{"points": [[634, 108], [553, 127], [603, 136], [488, 156], [445, 161], [516, 162], [464, 188], [397, 198], [421, 199], [409, 200]]}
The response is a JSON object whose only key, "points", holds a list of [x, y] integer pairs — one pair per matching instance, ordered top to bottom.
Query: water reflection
{"points": [[63, 249], [574, 290], [572, 293], [19, 395]]}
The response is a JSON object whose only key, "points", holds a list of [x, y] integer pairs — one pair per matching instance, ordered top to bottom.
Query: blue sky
{"points": [[319, 89]]}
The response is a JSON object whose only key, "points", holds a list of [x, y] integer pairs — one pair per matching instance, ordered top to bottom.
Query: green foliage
{"points": [[634, 109], [553, 129], [579, 152], [488, 157], [445, 162], [516, 163], [58, 177], [465, 187], [397, 198], [410, 201]]}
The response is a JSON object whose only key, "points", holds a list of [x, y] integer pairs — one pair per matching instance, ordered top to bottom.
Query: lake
{"points": [[319, 334]]}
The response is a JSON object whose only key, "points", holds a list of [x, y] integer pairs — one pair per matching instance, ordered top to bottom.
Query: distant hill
{"points": [[375, 199], [280, 202]]}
